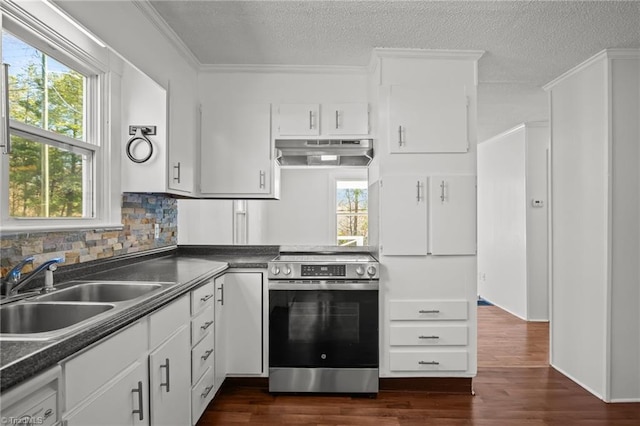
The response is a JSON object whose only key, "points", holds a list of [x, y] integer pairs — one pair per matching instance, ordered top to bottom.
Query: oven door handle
{"points": [[289, 285]]}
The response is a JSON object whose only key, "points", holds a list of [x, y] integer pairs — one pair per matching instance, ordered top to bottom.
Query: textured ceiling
{"points": [[526, 42]]}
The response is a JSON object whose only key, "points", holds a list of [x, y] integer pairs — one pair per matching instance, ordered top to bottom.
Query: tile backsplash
{"points": [[140, 213]]}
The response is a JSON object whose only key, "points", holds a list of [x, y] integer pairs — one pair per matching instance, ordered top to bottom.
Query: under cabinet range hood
{"points": [[324, 152]]}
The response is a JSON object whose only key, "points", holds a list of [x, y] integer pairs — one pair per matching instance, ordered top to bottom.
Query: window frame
{"points": [[63, 44], [335, 214]]}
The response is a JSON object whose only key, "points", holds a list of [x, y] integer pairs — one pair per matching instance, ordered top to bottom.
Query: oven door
{"points": [[323, 325]]}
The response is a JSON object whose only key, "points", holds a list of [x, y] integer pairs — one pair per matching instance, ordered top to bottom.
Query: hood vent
{"points": [[324, 152]]}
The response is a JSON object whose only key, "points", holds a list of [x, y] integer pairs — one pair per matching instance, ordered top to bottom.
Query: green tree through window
{"points": [[46, 175], [352, 205]]}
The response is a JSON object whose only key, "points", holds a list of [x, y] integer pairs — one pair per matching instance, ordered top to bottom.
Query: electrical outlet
{"points": [[156, 231]]}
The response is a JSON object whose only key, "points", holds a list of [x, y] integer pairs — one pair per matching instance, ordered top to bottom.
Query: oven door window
{"points": [[323, 328]]}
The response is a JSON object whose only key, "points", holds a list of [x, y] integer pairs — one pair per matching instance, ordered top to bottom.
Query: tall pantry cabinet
{"points": [[423, 181]]}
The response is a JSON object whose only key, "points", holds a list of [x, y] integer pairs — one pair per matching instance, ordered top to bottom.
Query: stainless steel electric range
{"points": [[323, 323]]}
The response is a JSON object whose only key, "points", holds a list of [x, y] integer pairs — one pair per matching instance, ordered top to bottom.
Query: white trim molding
{"points": [[158, 21], [630, 53], [283, 69]]}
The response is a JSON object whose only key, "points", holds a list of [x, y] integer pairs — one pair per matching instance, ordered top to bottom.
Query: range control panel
{"points": [[335, 270]]}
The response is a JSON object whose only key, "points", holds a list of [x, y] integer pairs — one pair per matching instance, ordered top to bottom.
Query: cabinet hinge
{"points": [[380, 183]]}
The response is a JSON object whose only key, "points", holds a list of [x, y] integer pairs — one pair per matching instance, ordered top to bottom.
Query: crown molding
{"points": [[158, 21], [384, 52], [606, 54], [283, 69], [517, 128]]}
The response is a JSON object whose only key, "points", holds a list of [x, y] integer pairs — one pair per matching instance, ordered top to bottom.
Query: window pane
{"points": [[43, 92], [47, 181], [352, 213]]}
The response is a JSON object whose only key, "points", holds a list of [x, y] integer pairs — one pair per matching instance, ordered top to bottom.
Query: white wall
{"points": [[503, 106], [537, 173], [305, 213], [579, 217], [502, 222], [625, 232], [512, 234], [595, 327]]}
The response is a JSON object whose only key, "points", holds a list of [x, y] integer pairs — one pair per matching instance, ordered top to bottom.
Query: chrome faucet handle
{"points": [[13, 276]]}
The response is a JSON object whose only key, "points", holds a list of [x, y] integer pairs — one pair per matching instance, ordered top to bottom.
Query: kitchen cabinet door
{"points": [[427, 118], [345, 119], [298, 120], [236, 151], [452, 213], [403, 215], [243, 322], [220, 366], [169, 380], [124, 401]]}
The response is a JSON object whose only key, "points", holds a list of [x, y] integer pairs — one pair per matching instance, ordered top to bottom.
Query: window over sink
{"points": [[55, 165]]}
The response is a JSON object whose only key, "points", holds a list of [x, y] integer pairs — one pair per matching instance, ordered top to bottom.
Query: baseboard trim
{"points": [[461, 385]]}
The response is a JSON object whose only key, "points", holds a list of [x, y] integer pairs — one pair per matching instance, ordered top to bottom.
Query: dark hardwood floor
{"points": [[514, 386]]}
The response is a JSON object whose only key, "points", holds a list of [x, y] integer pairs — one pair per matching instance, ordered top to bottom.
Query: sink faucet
{"points": [[14, 280]]}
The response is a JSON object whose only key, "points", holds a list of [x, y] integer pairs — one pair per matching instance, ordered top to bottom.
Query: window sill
{"points": [[22, 226]]}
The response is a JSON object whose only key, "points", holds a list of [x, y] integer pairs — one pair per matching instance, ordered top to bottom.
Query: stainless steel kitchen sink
{"points": [[102, 292], [74, 306], [42, 317]]}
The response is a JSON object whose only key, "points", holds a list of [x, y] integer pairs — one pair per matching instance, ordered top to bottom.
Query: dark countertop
{"points": [[20, 360]]}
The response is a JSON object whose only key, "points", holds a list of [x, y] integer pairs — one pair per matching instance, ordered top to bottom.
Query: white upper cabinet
{"points": [[345, 118], [428, 118], [298, 120], [322, 120], [237, 152], [151, 162], [403, 213], [452, 215], [420, 218]]}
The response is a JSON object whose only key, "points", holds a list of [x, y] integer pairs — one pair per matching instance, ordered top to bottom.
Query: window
{"points": [[50, 166], [58, 172], [352, 212]]}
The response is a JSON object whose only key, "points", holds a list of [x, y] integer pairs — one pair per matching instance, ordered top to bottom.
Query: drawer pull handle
{"points": [[207, 297], [431, 311], [206, 325], [428, 337], [207, 354], [428, 363], [167, 384], [206, 391], [139, 411]]}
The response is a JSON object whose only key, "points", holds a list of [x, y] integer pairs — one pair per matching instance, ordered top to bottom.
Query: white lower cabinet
{"points": [[243, 318], [428, 336], [203, 350], [220, 362], [139, 376], [169, 382], [122, 401]]}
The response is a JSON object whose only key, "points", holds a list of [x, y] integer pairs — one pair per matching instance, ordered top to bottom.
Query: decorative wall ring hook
{"points": [[140, 136]]}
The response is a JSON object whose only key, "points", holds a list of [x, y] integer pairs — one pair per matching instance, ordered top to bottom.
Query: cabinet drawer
{"points": [[201, 296], [428, 310], [167, 320], [202, 324], [409, 335], [202, 357], [428, 361], [88, 371], [201, 394]]}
